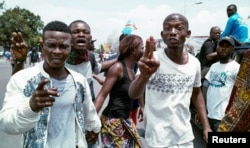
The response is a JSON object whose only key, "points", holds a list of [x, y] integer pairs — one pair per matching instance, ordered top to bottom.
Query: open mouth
{"points": [[81, 42]]}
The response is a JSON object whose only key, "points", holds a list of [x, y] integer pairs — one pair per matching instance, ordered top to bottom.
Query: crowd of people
{"points": [[52, 104]]}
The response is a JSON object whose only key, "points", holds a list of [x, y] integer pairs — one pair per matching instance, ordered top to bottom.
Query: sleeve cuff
{"points": [[25, 110]]}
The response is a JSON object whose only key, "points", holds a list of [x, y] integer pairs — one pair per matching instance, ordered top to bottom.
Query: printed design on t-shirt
{"points": [[218, 79], [172, 83], [32, 84], [80, 97], [33, 137]]}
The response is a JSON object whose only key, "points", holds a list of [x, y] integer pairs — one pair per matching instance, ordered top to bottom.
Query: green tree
{"points": [[2, 4], [18, 19]]}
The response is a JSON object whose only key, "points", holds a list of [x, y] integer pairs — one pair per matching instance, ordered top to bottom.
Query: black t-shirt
{"points": [[209, 46], [34, 57], [119, 104]]}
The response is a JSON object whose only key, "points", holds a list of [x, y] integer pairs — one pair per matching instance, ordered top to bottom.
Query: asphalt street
{"points": [[10, 141]]}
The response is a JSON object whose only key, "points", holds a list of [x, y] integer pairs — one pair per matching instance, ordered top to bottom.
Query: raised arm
{"points": [[20, 50], [107, 64], [147, 66]]}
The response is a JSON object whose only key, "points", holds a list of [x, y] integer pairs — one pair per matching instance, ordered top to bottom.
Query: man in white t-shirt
{"points": [[221, 77], [170, 78]]}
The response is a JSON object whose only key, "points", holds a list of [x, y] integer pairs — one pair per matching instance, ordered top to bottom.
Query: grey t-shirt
{"points": [[61, 126]]}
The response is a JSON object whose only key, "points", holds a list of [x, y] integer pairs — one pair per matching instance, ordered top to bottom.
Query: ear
{"points": [[188, 33], [161, 34]]}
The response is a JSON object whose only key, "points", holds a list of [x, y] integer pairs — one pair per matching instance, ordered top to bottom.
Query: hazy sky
{"points": [[108, 17]]}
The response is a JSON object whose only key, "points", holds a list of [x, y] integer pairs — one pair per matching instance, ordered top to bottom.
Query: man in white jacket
{"points": [[42, 101]]}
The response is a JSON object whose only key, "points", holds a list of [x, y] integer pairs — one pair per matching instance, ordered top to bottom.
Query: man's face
{"points": [[230, 11], [174, 31], [215, 34], [81, 36], [56, 48], [224, 50]]}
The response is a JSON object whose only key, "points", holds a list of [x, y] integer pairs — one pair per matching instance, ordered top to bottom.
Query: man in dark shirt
{"points": [[208, 54]]}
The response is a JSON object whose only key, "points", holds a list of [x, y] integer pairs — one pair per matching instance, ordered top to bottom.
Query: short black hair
{"points": [[232, 6], [181, 17], [79, 21], [57, 26], [214, 27]]}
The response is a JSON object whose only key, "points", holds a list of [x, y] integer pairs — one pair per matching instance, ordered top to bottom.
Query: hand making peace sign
{"points": [[18, 46], [148, 64]]}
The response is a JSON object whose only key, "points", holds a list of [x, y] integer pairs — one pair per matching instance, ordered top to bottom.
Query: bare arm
{"points": [[20, 50], [210, 53], [211, 56], [107, 64], [18, 66], [115, 73], [99, 80], [137, 87], [199, 104]]}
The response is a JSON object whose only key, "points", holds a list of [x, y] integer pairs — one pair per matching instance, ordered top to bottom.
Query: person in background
{"points": [[235, 26], [208, 54], [7, 56], [34, 56], [101, 56], [79, 58], [170, 77], [220, 80], [49, 104], [137, 105], [237, 114], [117, 126]]}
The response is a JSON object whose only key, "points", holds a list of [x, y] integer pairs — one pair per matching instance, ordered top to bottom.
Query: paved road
{"points": [[7, 141], [10, 141]]}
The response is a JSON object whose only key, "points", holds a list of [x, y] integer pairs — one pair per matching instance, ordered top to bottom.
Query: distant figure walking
{"points": [[34, 56], [101, 56]]}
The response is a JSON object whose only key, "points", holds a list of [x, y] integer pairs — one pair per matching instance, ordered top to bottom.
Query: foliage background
{"points": [[22, 20]]}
